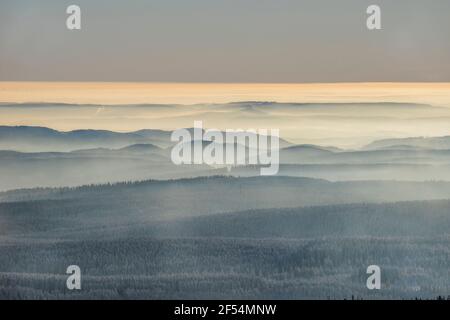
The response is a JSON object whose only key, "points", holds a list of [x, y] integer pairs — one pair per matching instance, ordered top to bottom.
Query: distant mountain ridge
{"points": [[38, 139], [42, 139], [442, 143]]}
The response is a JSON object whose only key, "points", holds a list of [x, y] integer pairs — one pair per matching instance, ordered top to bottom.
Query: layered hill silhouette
{"points": [[41, 139], [414, 143], [96, 156]]}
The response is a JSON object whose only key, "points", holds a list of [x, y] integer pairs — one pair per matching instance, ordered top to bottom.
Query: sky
{"points": [[268, 41]]}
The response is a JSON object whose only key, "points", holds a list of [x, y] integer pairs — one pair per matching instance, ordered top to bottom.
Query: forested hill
{"points": [[225, 194], [261, 237]]}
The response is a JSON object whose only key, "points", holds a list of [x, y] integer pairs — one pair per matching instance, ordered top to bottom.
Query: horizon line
{"points": [[189, 93]]}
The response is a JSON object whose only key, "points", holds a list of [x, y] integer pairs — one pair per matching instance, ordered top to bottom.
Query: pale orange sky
{"points": [[193, 93]]}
